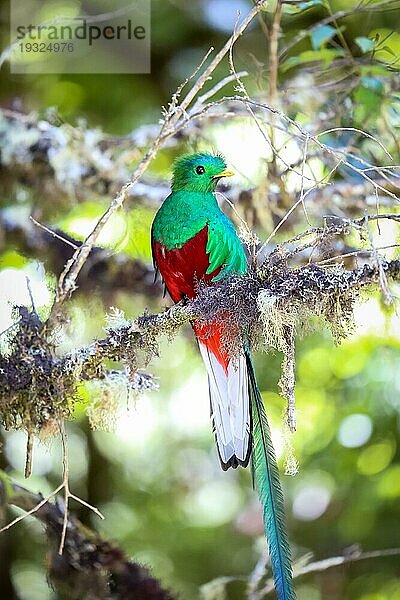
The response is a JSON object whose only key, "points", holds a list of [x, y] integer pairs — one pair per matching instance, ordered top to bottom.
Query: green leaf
{"points": [[309, 4], [302, 6], [270, 7], [321, 34], [365, 44], [387, 46], [389, 50], [326, 56], [367, 70], [372, 83], [367, 101], [11, 258], [8, 490]]}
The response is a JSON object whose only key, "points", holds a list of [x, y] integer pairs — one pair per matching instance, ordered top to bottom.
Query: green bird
{"points": [[194, 241]]}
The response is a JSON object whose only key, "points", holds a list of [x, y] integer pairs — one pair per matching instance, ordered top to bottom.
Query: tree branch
{"points": [[104, 271], [35, 386], [328, 563], [89, 564]]}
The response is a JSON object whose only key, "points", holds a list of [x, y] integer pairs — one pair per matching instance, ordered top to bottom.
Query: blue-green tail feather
{"points": [[266, 479]]}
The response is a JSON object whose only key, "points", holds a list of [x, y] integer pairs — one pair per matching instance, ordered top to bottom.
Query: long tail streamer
{"points": [[266, 477]]}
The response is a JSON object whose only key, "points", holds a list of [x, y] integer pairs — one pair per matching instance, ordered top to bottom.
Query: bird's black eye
{"points": [[200, 170]]}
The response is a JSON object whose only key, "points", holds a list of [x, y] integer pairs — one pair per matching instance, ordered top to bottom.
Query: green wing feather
{"points": [[225, 249], [266, 476]]}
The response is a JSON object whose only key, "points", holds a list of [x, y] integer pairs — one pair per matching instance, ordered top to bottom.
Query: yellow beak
{"points": [[224, 173]]}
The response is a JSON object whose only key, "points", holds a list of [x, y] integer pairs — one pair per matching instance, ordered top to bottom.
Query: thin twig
{"points": [[273, 52], [216, 88], [356, 130], [302, 180], [234, 209], [279, 225], [322, 233], [54, 234], [355, 253], [28, 285], [387, 296], [10, 327], [288, 378], [29, 454], [65, 484], [84, 503], [33, 510], [329, 563], [256, 576]]}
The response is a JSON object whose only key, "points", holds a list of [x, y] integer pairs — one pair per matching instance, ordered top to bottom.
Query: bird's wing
{"points": [[224, 249]]}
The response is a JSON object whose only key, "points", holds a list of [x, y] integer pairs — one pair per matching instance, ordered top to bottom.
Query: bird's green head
{"points": [[198, 172]]}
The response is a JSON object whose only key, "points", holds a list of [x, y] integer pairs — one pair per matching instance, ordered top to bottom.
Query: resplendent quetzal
{"points": [[194, 241]]}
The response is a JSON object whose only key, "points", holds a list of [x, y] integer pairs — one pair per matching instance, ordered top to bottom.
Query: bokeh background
{"points": [[155, 474]]}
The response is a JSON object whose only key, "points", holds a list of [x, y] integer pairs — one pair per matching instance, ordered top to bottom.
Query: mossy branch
{"points": [[36, 386]]}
